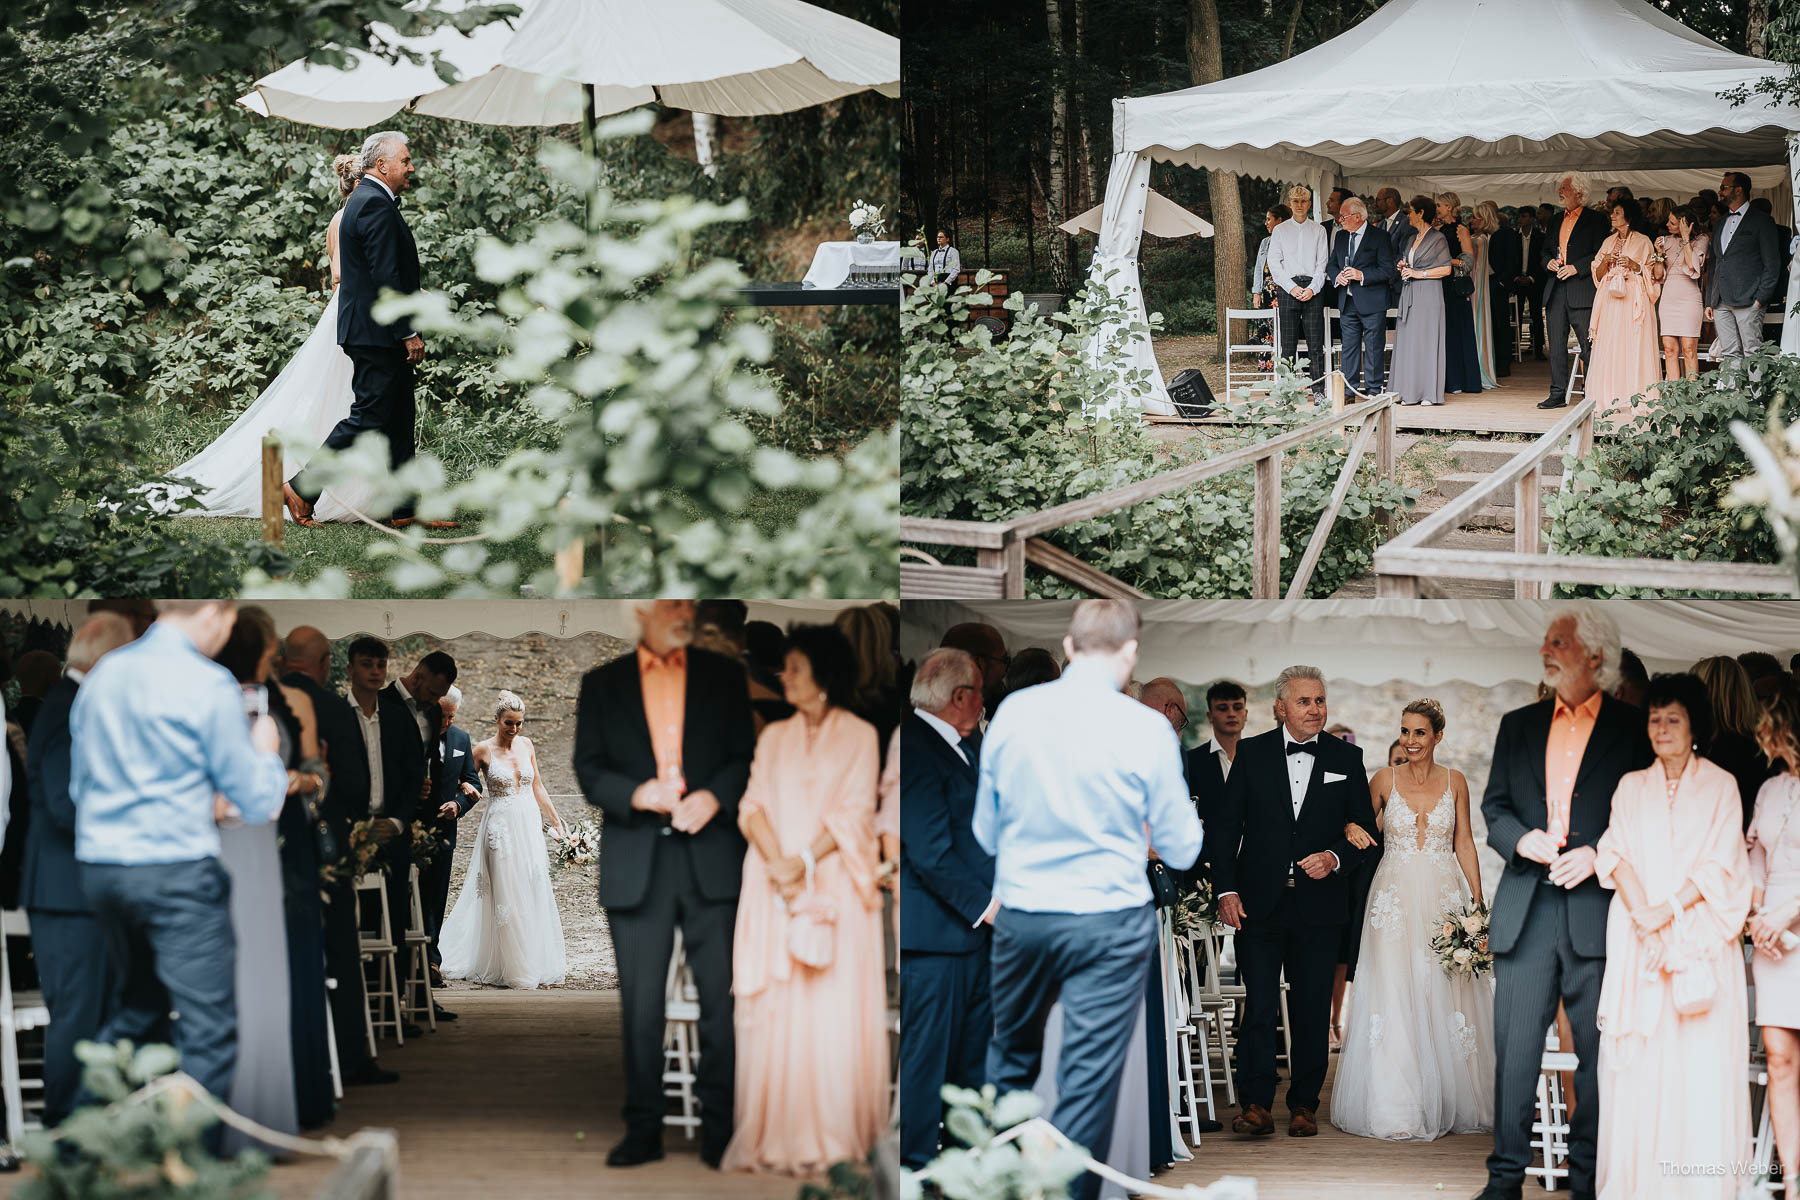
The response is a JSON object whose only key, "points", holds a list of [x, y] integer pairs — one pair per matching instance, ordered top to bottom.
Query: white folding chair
{"points": [[1235, 375], [378, 950], [418, 960], [1219, 1003], [19, 1013], [1196, 1020], [681, 1041], [1550, 1128]]}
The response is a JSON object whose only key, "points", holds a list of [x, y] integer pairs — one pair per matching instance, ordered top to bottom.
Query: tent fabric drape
{"points": [[1115, 270]]}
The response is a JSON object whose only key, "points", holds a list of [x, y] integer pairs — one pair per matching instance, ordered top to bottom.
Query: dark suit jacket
{"points": [[1590, 233], [375, 250], [1506, 254], [1375, 258], [1531, 261], [1750, 268], [613, 756], [405, 757], [455, 769], [1206, 784], [347, 798], [1514, 804], [1257, 838], [946, 878], [49, 879]]}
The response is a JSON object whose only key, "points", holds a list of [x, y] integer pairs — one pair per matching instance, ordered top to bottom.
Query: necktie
{"points": [[1355, 241], [1303, 748], [972, 749]]}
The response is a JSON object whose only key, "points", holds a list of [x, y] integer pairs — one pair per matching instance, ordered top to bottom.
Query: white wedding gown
{"points": [[309, 397], [505, 929], [1418, 1053]]}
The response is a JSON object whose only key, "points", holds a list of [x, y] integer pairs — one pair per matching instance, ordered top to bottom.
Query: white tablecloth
{"points": [[832, 261]]}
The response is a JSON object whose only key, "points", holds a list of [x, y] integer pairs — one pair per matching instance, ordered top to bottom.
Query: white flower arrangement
{"points": [[867, 218], [580, 846], [1461, 940]]}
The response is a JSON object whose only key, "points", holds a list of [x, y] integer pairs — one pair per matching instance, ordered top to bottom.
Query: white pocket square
{"points": [[456, 754], [1333, 777]]}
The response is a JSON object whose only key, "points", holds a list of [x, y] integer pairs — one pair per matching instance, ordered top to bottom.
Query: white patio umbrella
{"points": [[727, 57], [1162, 217]]}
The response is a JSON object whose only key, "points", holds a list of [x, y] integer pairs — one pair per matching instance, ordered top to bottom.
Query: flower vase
{"points": [[864, 238]]}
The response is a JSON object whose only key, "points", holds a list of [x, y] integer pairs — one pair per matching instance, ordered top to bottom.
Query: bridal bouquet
{"points": [[866, 218], [424, 845], [580, 846], [1461, 941]]}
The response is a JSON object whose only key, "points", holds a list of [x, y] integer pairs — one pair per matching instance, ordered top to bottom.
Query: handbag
{"points": [[1615, 283], [1462, 286], [1163, 891], [812, 925], [1692, 989]]}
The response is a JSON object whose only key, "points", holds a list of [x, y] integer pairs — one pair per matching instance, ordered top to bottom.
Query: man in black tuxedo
{"points": [[1569, 248], [376, 251], [1506, 251], [1361, 267], [1528, 281], [308, 655], [663, 740], [1209, 764], [455, 789], [1545, 816], [1281, 871], [947, 900], [74, 968]]}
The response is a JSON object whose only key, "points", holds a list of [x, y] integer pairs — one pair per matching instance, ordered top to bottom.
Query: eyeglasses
{"points": [[1005, 660], [1181, 726]]}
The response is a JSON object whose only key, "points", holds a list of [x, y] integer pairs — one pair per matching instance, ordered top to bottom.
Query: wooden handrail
{"points": [[982, 535], [1401, 565]]}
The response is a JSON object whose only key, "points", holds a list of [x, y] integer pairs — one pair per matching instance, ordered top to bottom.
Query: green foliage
{"points": [[618, 338], [992, 430], [1659, 489], [147, 1149], [984, 1168]]}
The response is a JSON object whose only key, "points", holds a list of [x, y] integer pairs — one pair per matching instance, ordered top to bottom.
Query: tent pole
{"points": [[590, 104], [1790, 329]]}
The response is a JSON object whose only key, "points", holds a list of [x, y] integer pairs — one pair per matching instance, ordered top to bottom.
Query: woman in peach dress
{"points": [[1681, 308], [1624, 320], [812, 1060], [1674, 1111]]}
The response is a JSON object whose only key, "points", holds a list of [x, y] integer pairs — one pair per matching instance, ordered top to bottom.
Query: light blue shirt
{"points": [[158, 729], [1070, 773]]}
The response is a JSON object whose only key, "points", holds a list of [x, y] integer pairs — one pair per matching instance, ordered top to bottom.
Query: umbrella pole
{"points": [[591, 145]]}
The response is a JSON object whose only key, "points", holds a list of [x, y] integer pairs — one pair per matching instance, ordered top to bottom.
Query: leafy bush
{"points": [[992, 430], [1658, 490], [984, 1167]]}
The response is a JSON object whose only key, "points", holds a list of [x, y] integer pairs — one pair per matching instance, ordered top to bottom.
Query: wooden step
{"points": [[1487, 457], [1457, 482], [1489, 518]]}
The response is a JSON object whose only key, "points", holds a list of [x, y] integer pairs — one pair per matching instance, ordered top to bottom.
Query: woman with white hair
{"points": [[505, 929]]}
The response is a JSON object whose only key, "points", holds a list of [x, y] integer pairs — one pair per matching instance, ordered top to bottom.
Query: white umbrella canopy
{"points": [[726, 57], [1162, 217]]}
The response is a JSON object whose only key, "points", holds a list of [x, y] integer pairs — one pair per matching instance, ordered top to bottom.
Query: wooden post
{"points": [[1334, 387], [1585, 446], [1384, 459], [274, 527], [1528, 530], [1266, 540], [1012, 557], [570, 560], [1397, 587]]}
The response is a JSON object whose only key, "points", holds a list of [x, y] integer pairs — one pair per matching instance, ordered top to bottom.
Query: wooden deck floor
{"points": [[1335, 1163]]}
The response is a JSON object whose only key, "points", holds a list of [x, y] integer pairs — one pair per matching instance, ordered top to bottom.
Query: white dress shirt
{"points": [[384, 187], [1729, 225], [1298, 247], [945, 265], [426, 730], [945, 730], [371, 734], [1224, 761], [1299, 767]]}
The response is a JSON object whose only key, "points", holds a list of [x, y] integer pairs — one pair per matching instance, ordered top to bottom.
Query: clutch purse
{"points": [[1615, 283], [1163, 890], [812, 926], [1692, 990]]}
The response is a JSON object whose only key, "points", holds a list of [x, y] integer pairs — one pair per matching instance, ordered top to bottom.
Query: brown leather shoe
{"points": [[300, 510], [1254, 1120], [1304, 1123]]}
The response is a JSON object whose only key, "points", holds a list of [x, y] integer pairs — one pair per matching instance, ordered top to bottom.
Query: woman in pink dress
{"points": [[1681, 309], [1624, 320], [1775, 872], [811, 1006], [1673, 1015]]}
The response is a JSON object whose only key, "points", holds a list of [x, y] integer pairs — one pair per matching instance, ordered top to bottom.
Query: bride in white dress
{"points": [[310, 396], [505, 929], [1418, 1055]]}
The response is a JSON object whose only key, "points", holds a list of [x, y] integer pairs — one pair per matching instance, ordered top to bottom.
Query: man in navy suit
{"points": [[377, 251], [1361, 267], [456, 787], [946, 900], [73, 965]]}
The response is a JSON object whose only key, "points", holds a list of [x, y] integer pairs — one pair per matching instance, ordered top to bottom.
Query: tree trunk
{"points": [[1756, 34], [1287, 49], [1206, 65], [1084, 114], [706, 131], [1056, 188]]}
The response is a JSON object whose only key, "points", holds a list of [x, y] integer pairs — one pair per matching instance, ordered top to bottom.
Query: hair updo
{"points": [[349, 173], [508, 702], [1431, 710]]}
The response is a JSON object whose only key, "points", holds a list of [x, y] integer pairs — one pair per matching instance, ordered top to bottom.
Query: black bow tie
{"points": [[1303, 747]]}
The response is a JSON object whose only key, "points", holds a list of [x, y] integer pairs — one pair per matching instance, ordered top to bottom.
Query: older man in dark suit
{"points": [[1570, 245], [1361, 267], [1745, 269], [946, 900], [73, 967]]}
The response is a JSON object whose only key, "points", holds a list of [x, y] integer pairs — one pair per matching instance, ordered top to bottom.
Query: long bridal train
{"points": [[309, 397]]}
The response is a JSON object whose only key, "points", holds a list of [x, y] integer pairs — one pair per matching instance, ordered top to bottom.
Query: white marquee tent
{"points": [[1489, 98], [446, 619], [1371, 642]]}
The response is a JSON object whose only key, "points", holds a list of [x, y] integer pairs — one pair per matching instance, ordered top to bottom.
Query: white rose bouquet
{"points": [[867, 220], [580, 846], [1461, 941]]}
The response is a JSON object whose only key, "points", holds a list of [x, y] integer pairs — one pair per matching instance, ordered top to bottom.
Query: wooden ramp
{"points": [[1335, 1163]]}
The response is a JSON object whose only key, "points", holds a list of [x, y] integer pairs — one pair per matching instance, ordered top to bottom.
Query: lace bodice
{"points": [[504, 781], [1400, 826]]}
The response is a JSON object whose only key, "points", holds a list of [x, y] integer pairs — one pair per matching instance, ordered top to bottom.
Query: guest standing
{"points": [[1571, 244], [1684, 249], [1297, 253], [1506, 257], [946, 262], [1362, 268], [1745, 271], [1528, 285], [1261, 293], [1624, 319], [1490, 320], [1419, 334], [1462, 361], [1736, 712], [162, 752], [1208, 765], [1073, 773], [456, 789], [946, 901], [1775, 907], [73, 966], [1673, 1013], [812, 1063]]}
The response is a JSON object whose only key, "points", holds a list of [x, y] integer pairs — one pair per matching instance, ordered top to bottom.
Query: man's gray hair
{"points": [[378, 146], [1581, 185], [1355, 205], [101, 632], [1598, 634], [943, 671], [1289, 674], [454, 696]]}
